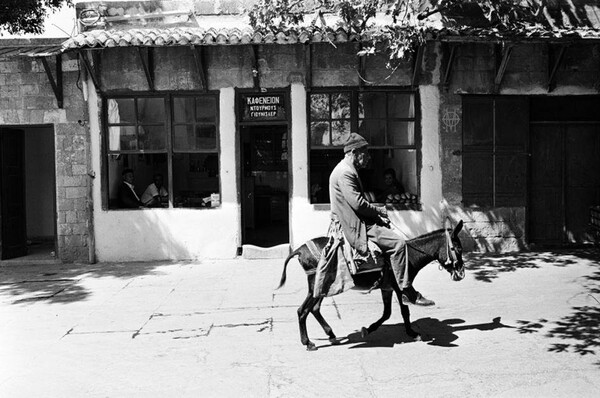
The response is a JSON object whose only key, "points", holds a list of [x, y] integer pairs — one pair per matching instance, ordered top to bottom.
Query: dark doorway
{"points": [[565, 160], [28, 187], [265, 187]]}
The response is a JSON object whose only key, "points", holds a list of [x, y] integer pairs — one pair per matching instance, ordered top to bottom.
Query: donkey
{"points": [[442, 245]]}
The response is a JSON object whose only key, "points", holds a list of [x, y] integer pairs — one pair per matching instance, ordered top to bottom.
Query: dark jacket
{"points": [[126, 198], [349, 205]]}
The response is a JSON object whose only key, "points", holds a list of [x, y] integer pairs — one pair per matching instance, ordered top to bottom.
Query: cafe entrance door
{"points": [[265, 185]]}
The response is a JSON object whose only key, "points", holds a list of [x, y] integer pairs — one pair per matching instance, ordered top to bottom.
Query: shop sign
{"points": [[261, 107]]}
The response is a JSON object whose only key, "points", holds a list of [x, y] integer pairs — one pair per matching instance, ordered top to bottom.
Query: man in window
{"points": [[155, 194], [127, 198], [361, 221]]}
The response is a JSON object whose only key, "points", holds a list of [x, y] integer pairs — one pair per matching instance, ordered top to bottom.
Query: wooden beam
{"points": [[506, 52], [199, 59], [418, 60], [147, 64], [449, 65], [555, 65], [361, 67], [309, 68], [255, 70], [91, 71], [57, 85]]}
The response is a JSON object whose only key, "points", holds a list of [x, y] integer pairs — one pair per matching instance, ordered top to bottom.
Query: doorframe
{"points": [[239, 124], [52, 129]]}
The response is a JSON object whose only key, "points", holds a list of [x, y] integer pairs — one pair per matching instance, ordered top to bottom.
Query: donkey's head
{"points": [[451, 258]]}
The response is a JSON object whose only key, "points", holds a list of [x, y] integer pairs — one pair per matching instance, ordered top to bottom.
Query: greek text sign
{"points": [[257, 107]]}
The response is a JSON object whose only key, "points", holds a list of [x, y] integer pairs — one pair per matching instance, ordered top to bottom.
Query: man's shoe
{"points": [[420, 300], [423, 301]]}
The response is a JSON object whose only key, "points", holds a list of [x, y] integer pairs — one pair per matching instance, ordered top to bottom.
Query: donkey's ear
{"points": [[457, 229]]}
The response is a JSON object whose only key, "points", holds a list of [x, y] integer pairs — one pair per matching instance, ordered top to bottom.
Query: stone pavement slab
{"points": [[522, 325]]}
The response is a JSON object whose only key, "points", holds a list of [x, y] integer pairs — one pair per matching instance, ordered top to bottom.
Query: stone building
{"points": [[244, 129]]}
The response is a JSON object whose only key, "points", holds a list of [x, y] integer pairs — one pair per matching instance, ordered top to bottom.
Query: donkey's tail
{"points": [[287, 260]]}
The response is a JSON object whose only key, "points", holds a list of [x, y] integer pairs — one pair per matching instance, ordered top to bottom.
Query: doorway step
{"points": [[251, 252]]}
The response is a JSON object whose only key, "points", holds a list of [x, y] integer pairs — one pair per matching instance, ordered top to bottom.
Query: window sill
{"points": [[388, 206]]}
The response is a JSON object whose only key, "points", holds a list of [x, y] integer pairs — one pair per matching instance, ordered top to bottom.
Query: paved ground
{"points": [[517, 326]]}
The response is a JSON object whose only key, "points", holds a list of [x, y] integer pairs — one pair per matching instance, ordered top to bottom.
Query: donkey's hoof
{"points": [[364, 332], [417, 337], [334, 341], [311, 346]]}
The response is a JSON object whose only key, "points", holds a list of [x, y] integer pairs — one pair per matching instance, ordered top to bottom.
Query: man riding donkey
{"points": [[363, 227]]}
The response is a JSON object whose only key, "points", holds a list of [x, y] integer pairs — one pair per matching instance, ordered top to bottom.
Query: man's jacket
{"points": [[349, 205]]}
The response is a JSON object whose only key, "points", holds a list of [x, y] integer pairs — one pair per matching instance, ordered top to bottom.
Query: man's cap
{"points": [[355, 141], [125, 171]]}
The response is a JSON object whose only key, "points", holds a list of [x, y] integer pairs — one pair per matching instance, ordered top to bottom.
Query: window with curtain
{"points": [[387, 119], [169, 138]]}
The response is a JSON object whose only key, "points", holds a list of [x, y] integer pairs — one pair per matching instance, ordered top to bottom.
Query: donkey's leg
{"points": [[386, 296], [316, 311], [405, 311], [303, 312]]}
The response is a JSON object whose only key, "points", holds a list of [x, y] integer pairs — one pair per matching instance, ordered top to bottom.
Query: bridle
{"points": [[452, 262]]}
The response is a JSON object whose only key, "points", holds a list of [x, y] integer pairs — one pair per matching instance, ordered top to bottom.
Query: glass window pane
{"points": [[373, 105], [401, 105], [319, 106], [340, 106], [183, 109], [206, 109], [121, 110], [151, 110], [340, 131], [373, 131], [319, 133], [401, 133], [152, 137], [183, 137], [206, 137], [122, 138], [190, 138], [322, 163], [402, 164], [144, 167], [196, 180]]}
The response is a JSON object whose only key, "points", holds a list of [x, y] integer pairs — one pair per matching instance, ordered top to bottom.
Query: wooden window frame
{"points": [[168, 124], [354, 126]]}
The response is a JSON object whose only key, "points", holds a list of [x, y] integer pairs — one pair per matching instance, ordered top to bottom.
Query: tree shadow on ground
{"points": [[487, 267], [63, 283], [432, 330], [580, 330]]}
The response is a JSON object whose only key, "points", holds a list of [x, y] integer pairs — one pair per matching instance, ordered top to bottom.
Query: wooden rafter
{"points": [[199, 59], [418, 59], [147, 60], [449, 65], [555, 65], [361, 67], [309, 68], [255, 69], [501, 70], [91, 71], [57, 85]]}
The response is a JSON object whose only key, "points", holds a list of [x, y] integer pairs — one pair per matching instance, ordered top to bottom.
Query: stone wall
{"points": [[26, 98]]}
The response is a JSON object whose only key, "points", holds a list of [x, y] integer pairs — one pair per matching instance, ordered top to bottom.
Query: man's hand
{"points": [[383, 215]]}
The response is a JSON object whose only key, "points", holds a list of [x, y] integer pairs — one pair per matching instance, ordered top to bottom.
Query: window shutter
{"points": [[511, 137], [478, 166], [478, 172]]}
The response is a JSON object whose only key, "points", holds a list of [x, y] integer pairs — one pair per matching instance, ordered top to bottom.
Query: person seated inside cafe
{"points": [[391, 185], [155, 195], [127, 198]]}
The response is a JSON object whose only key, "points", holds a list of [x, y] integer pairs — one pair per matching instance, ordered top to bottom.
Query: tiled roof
{"points": [[185, 36]]}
